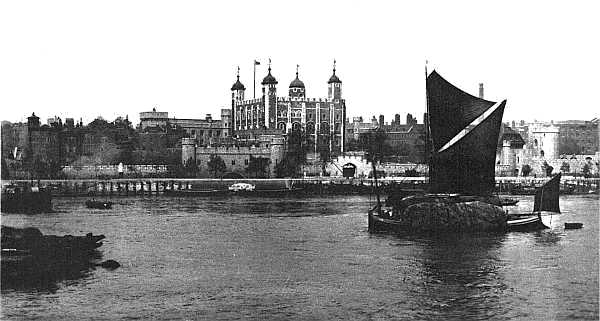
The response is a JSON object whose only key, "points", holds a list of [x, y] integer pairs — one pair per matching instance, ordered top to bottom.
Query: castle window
{"points": [[233, 162], [245, 162]]}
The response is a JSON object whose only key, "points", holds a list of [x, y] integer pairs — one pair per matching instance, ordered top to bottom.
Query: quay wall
{"points": [[311, 185]]}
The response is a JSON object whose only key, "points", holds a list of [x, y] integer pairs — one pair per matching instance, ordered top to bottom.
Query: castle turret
{"points": [[334, 86], [297, 89], [269, 92], [237, 96], [33, 121], [544, 139], [188, 151], [508, 156]]}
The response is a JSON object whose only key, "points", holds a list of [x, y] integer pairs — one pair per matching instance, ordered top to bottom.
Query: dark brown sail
{"points": [[450, 109], [465, 132], [546, 197]]}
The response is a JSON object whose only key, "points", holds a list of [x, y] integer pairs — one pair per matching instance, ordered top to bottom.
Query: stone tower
{"points": [[334, 86], [269, 91], [237, 96], [544, 140], [188, 150]]}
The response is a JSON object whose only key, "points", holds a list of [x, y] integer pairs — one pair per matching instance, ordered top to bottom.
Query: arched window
{"points": [[281, 126], [296, 126]]}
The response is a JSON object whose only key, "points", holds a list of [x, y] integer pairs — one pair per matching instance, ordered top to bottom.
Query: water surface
{"points": [[308, 258]]}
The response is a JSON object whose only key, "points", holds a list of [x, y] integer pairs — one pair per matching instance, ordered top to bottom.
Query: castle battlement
{"points": [[307, 100], [251, 101], [233, 150]]}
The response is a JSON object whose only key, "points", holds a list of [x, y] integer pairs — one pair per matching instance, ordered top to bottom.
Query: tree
{"points": [[373, 143], [352, 144], [295, 155], [325, 156], [216, 165], [258, 166], [190, 167], [565, 167], [39, 168], [547, 169], [525, 170], [586, 170], [411, 173], [5, 174]]}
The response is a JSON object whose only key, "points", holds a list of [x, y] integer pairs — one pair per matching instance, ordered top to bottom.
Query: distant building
{"points": [[206, 131], [578, 136], [407, 140], [44, 149]]}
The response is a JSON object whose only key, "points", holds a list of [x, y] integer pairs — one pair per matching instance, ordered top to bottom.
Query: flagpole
{"points": [[254, 80], [427, 126]]}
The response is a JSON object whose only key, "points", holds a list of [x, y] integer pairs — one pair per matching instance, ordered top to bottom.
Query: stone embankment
{"points": [[316, 185]]}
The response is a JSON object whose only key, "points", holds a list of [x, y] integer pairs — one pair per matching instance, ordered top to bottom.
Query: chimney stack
{"points": [[481, 90]]}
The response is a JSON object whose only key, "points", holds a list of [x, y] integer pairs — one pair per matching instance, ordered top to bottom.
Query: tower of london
{"points": [[319, 120]]}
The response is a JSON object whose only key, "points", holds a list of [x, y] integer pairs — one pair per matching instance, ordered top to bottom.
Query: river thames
{"points": [[232, 258]]}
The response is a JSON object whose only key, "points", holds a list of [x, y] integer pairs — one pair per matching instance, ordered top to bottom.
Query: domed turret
{"points": [[269, 79], [334, 79], [297, 83], [238, 85], [238, 88], [297, 89], [334, 90]]}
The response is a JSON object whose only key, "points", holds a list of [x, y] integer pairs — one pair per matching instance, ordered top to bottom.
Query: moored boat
{"points": [[464, 131], [546, 204], [103, 205]]}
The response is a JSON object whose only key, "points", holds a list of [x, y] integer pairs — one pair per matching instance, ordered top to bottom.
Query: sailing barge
{"points": [[464, 132]]}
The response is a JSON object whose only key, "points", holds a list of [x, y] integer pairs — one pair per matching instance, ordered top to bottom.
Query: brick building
{"points": [[207, 131], [578, 136]]}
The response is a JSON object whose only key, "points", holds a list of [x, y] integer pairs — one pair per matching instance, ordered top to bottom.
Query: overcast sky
{"points": [[110, 58]]}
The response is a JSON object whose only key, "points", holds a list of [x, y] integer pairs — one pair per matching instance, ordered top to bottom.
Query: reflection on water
{"points": [[310, 258]]}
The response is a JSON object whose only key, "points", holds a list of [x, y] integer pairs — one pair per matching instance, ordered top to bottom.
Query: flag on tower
{"points": [[256, 62]]}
